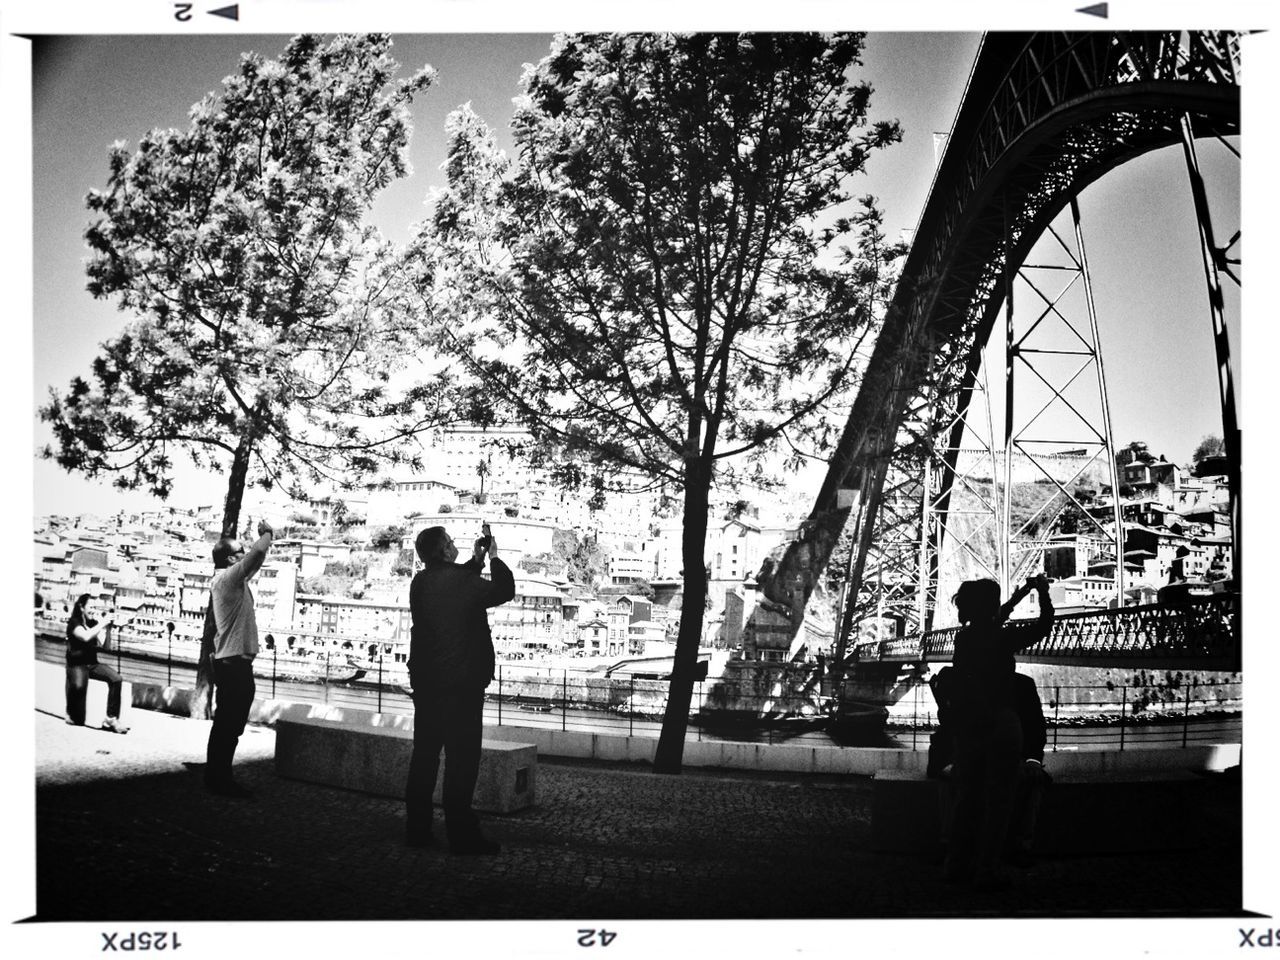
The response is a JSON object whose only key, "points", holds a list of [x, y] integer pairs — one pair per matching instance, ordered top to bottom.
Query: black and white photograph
{"points": [[682, 473]]}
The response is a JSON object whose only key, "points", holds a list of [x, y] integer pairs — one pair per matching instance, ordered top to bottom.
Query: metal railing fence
{"points": [[1197, 629], [1078, 717]]}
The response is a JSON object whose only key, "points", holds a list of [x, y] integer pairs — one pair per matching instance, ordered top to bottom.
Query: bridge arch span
{"points": [[1044, 116]]}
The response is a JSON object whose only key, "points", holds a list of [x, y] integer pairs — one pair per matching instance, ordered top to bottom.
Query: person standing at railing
{"points": [[86, 635], [235, 644], [451, 661], [988, 734]]}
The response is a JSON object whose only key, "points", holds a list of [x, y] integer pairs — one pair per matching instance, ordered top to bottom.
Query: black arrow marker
{"points": [[1097, 10], [233, 12]]}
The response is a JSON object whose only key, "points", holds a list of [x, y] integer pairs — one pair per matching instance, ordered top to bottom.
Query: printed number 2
{"points": [[182, 11], [587, 938]]}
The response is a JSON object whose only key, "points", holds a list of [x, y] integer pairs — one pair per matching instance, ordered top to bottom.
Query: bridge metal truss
{"points": [[1044, 116], [929, 468], [1199, 635]]}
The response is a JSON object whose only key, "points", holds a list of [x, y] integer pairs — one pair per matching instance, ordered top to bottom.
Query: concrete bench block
{"points": [[51, 695], [375, 759], [907, 811], [1118, 812]]}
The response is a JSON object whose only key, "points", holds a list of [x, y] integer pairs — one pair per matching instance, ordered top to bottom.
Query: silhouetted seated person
{"points": [[988, 739], [1032, 775]]}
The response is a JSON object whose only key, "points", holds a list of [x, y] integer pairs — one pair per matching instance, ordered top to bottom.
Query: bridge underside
{"points": [[1045, 115]]}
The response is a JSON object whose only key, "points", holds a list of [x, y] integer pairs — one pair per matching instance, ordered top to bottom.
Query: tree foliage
{"points": [[672, 277], [263, 327], [1209, 446], [1135, 451], [384, 538], [584, 561], [403, 565]]}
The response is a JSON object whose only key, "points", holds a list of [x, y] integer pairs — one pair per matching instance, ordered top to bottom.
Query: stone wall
{"points": [[1067, 692]]}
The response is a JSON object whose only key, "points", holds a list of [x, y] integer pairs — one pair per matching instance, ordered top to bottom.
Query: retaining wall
{"points": [[864, 761]]}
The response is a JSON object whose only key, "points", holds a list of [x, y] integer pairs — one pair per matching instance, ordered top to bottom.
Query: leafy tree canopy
{"points": [[660, 276], [673, 277], [262, 322], [1209, 446], [384, 538]]}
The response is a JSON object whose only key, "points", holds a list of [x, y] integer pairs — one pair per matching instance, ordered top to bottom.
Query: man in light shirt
{"points": [[235, 644]]}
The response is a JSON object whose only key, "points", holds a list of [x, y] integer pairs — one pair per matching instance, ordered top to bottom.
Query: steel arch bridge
{"points": [[1044, 116]]}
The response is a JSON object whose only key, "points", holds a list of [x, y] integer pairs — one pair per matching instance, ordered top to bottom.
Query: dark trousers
{"points": [[78, 678], [233, 696], [451, 721], [988, 755], [1027, 797], [1026, 810]]}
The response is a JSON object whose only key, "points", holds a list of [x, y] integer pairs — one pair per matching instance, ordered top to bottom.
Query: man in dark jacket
{"points": [[450, 663]]}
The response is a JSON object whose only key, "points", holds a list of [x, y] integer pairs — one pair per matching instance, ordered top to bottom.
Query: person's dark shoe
{"points": [[229, 789], [421, 839], [477, 846], [1022, 859], [954, 872], [992, 881]]}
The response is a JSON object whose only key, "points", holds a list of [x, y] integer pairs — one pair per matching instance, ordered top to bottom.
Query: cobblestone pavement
{"points": [[126, 818]]}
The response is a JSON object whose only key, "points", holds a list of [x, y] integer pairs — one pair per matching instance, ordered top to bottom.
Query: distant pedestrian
{"points": [[86, 635], [235, 644], [451, 661], [988, 734]]}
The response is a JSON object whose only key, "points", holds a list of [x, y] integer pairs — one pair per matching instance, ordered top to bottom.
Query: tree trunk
{"points": [[236, 485], [202, 699], [675, 722]]}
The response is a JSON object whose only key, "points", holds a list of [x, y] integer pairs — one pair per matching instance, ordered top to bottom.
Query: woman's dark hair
{"points": [[978, 597], [77, 609], [77, 618]]}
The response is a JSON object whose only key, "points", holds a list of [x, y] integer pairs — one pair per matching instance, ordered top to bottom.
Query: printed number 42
{"points": [[587, 938]]}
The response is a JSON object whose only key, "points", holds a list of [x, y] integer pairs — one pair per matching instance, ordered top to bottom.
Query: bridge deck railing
{"points": [[1200, 629]]}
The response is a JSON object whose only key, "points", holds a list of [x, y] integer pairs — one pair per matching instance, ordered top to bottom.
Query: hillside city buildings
{"points": [[153, 568], [339, 571]]}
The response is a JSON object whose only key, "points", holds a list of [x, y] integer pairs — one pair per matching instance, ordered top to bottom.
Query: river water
{"points": [[364, 695]]}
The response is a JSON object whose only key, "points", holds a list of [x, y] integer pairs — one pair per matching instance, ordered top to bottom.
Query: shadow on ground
{"points": [[604, 841]]}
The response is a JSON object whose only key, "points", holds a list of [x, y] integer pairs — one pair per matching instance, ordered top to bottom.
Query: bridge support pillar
{"points": [[1222, 347]]}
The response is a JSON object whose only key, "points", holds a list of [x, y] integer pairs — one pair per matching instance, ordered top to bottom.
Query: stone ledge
{"points": [[51, 695], [551, 741], [375, 759]]}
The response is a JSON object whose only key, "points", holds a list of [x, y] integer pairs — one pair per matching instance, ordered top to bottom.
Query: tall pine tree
{"points": [[660, 282], [264, 335]]}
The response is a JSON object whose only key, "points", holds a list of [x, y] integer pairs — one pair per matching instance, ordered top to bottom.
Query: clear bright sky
{"points": [[91, 91]]}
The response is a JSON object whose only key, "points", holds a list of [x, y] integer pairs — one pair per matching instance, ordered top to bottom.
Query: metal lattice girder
{"points": [[1044, 116], [1030, 350], [1199, 634]]}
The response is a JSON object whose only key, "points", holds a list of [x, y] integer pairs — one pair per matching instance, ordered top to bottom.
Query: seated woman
{"points": [[83, 644]]}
